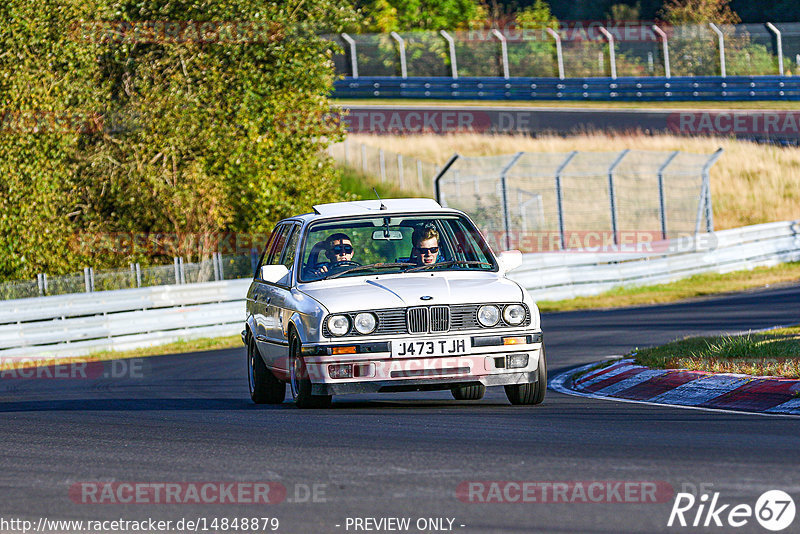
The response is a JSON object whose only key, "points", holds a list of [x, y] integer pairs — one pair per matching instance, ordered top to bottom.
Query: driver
{"points": [[426, 245], [338, 248]]}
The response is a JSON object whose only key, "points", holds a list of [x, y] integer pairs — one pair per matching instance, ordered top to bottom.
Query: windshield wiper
{"points": [[445, 264], [368, 267]]}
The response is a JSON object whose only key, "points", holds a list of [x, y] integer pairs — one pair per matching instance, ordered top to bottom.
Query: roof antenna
{"points": [[383, 206]]}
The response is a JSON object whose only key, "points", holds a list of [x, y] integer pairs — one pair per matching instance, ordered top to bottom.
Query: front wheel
{"points": [[299, 381], [264, 387], [473, 392], [532, 393]]}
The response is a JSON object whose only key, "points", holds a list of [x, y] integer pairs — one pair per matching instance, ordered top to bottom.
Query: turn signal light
{"points": [[514, 340], [343, 350]]}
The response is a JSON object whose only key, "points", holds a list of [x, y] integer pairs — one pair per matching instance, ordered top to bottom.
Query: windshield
{"points": [[392, 244]]}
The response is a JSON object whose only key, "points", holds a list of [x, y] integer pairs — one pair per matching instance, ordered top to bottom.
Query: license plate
{"points": [[430, 347]]}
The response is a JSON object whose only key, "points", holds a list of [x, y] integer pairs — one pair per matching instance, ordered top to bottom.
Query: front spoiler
{"points": [[423, 384]]}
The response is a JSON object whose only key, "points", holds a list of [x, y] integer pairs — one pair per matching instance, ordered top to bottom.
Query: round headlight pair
{"points": [[489, 315], [364, 323]]}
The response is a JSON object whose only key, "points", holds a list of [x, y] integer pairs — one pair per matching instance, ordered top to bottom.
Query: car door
{"points": [[282, 304], [261, 305]]}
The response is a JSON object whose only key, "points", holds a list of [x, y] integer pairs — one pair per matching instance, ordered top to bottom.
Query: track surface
{"points": [[187, 418]]}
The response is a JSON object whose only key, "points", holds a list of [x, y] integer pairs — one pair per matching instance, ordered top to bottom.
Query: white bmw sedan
{"points": [[388, 296]]}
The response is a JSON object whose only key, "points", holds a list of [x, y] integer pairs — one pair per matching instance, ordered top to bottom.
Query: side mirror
{"points": [[509, 260], [273, 273]]}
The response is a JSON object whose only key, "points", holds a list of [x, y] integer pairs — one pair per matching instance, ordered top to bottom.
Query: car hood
{"points": [[396, 292]]}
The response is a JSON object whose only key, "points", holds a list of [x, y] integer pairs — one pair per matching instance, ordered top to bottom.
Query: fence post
{"points": [[777, 33], [721, 38], [401, 45], [452, 45], [665, 47], [503, 51], [559, 54], [353, 57], [612, 58], [364, 158], [382, 160], [400, 170], [707, 181], [437, 190], [504, 190], [612, 195], [560, 197], [661, 204], [214, 266], [221, 266], [177, 270], [182, 270], [138, 275], [44, 281], [40, 283], [87, 284]]}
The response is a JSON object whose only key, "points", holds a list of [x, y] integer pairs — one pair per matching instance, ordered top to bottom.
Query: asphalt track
{"points": [[186, 418]]}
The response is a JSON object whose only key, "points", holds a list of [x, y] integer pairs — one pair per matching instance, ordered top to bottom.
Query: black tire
{"points": [[299, 382], [264, 387], [473, 392], [532, 393]]}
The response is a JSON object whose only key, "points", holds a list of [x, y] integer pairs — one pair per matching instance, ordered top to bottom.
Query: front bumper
{"points": [[376, 368]]}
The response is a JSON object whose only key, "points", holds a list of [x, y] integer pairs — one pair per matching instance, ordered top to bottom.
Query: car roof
{"points": [[375, 207]]}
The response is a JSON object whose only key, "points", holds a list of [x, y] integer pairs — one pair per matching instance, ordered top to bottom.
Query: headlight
{"points": [[514, 314], [488, 315], [365, 323], [338, 325]]}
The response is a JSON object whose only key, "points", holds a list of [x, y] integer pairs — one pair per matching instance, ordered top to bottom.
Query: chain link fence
{"points": [[578, 50], [405, 172], [540, 202], [218, 267]]}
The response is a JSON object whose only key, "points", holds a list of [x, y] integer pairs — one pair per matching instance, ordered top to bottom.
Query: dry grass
{"points": [[752, 183], [773, 353]]}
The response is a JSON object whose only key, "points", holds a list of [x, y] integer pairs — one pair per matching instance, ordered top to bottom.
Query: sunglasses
{"points": [[342, 249], [431, 250]]}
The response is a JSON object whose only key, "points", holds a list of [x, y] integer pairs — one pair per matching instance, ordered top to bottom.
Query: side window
{"points": [[265, 254], [288, 255], [274, 256]]}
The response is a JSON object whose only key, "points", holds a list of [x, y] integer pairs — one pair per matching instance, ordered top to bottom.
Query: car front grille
{"points": [[426, 319]]}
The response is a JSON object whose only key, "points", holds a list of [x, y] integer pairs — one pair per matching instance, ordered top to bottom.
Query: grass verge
{"points": [[588, 104], [359, 186], [695, 286], [192, 345], [772, 353]]}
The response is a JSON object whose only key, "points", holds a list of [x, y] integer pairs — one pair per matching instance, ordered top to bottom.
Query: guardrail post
{"points": [[777, 33], [721, 38], [401, 45], [452, 45], [664, 46], [503, 51], [559, 55], [611, 55], [353, 57], [382, 160], [400, 170], [437, 190], [504, 190], [612, 196], [560, 197], [661, 203]]}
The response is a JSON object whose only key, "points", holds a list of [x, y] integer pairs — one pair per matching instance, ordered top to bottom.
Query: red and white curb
{"points": [[625, 381]]}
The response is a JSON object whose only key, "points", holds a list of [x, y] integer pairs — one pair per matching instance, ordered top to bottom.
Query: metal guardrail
{"points": [[735, 88], [562, 275], [82, 323], [79, 324]]}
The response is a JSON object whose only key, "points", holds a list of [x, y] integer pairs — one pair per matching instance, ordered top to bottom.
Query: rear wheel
{"points": [[299, 380], [264, 387], [473, 392], [532, 393]]}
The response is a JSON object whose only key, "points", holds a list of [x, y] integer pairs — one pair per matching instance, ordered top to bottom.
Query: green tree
{"points": [[385, 16]]}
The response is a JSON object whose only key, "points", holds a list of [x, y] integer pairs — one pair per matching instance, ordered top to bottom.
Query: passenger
{"points": [[426, 245]]}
